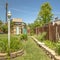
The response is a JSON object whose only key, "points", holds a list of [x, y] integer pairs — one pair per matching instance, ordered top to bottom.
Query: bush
{"points": [[4, 28], [31, 34], [41, 36], [23, 37], [15, 44], [50, 44], [3, 45], [58, 48]]}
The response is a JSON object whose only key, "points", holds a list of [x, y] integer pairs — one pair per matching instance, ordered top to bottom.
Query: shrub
{"points": [[5, 28], [31, 34], [41, 36], [23, 37], [15, 44], [50, 44], [3, 45], [58, 48]]}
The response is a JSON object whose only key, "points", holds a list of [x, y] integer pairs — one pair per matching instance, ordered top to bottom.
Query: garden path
{"points": [[32, 52]]}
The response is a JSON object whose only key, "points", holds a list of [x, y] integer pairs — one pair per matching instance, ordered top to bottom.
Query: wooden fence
{"points": [[52, 31]]}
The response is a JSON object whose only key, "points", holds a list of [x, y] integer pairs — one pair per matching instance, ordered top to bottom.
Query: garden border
{"points": [[48, 51], [4, 56]]}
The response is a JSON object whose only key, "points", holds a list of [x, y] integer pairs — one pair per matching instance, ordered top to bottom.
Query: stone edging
{"points": [[49, 52], [15, 54], [4, 56]]}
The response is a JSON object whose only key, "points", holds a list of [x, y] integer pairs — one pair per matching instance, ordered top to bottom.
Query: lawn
{"points": [[32, 52]]}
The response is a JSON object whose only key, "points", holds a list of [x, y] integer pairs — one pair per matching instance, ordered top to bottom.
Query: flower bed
{"points": [[15, 43], [52, 45], [15, 49], [48, 51], [4, 56]]}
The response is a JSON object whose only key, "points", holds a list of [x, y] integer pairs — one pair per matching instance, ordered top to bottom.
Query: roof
{"points": [[16, 20], [56, 20]]}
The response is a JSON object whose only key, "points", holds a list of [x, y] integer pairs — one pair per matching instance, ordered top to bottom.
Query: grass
{"points": [[32, 52]]}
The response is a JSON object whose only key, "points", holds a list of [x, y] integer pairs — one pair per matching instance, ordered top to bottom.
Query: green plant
{"points": [[45, 13], [4, 28], [32, 33], [41, 36], [23, 37], [15, 43], [50, 44], [3, 45], [58, 48], [32, 52]]}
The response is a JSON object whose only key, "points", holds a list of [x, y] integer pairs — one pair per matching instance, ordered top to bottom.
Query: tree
{"points": [[45, 13], [44, 16], [1, 23], [38, 23], [11, 25], [5, 28], [31, 28]]}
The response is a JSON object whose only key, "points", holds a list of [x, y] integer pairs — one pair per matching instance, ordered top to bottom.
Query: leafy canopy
{"points": [[45, 12]]}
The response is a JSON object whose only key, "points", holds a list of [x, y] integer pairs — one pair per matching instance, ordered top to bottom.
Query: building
{"points": [[57, 21], [18, 26]]}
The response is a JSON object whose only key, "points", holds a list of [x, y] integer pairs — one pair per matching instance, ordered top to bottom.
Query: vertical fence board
{"points": [[52, 33]]}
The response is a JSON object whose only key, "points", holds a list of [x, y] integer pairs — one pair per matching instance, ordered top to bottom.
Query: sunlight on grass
{"points": [[32, 52]]}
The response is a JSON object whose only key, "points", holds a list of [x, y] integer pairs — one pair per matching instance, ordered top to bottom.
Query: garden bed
{"points": [[52, 45], [16, 46], [50, 52], [4, 56]]}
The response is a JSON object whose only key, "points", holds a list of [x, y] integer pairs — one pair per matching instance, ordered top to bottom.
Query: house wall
{"points": [[57, 22], [15, 29]]}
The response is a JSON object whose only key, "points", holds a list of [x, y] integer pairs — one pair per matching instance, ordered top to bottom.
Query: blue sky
{"points": [[27, 9]]}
